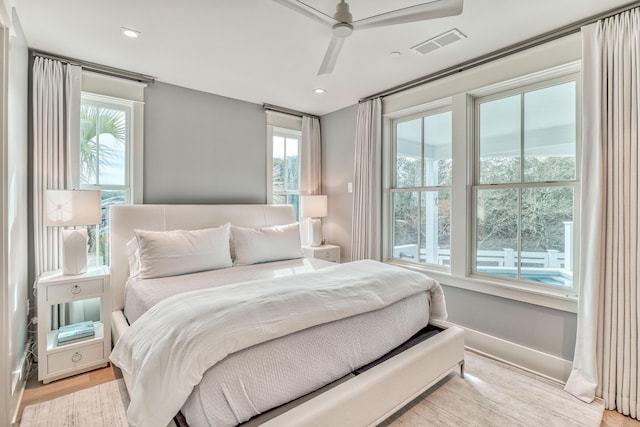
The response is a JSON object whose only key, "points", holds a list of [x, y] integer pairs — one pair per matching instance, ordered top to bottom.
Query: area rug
{"points": [[490, 394], [496, 394], [103, 405]]}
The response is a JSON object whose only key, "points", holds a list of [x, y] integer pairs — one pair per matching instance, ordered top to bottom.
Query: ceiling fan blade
{"points": [[307, 11], [420, 12], [331, 56]]}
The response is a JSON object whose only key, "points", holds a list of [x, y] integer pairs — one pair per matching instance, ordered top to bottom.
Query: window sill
{"points": [[541, 297]]}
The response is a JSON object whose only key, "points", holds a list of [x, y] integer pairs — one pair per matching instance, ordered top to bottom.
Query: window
{"points": [[105, 161], [285, 167], [525, 184], [481, 187], [421, 193]]}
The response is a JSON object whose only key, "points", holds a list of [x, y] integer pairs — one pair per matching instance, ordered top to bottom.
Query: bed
{"points": [[356, 400]]}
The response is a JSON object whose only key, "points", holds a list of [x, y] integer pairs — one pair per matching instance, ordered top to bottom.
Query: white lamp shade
{"points": [[313, 206], [69, 208]]}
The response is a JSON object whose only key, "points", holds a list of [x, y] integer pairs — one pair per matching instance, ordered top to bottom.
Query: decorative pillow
{"points": [[264, 244], [170, 253], [133, 255]]}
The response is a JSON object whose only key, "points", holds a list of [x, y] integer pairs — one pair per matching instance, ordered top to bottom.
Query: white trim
{"points": [[6, 18], [557, 72], [112, 86], [440, 104], [283, 120], [136, 163], [541, 297], [537, 362], [5, 392]]}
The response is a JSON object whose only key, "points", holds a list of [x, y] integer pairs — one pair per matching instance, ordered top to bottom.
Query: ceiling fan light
{"points": [[342, 29]]}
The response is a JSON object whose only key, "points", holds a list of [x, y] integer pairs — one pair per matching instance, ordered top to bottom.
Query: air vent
{"points": [[439, 41]]}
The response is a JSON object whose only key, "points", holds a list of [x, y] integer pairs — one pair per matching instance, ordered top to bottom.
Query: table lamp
{"points": [[72, 208], [314, 208]]}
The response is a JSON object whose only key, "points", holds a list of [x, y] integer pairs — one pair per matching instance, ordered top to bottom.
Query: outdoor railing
{"points": [[504, 258]]}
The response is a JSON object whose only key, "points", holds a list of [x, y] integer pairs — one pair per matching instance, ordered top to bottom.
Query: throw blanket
{"points": [[168, 349]]}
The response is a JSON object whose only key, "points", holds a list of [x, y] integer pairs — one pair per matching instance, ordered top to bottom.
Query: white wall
{"points": [[13, 273]]}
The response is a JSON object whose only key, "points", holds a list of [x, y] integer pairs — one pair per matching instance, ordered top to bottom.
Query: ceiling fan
{"points": [[342, 23]]}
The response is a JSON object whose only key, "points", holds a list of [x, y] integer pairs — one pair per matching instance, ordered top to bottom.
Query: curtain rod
{"points": [[504, 52], [97, 68], [278, 109]]}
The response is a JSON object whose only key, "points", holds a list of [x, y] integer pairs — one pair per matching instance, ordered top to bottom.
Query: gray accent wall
{"points": [[202, 148], [338, 153], [540, 328]]}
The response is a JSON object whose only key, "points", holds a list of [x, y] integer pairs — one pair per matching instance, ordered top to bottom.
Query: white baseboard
{"points": [[547, 365], [18, 385]]}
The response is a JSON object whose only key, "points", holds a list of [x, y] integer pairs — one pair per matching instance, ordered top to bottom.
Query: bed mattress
{"points": [[254, 380]]}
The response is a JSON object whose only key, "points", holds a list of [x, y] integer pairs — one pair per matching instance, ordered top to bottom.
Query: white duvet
{"points": [[168, 349]]}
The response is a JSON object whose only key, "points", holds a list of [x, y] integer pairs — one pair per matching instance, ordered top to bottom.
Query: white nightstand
{"points": [[325, 252], [57, 292]]}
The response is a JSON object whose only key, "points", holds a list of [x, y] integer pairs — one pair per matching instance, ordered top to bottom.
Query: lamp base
{"points": [[315, 232], [74, 251]]}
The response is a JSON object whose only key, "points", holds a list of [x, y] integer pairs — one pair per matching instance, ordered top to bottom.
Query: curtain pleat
{"points": [[56, 114], [367, 188], [606, 356]]}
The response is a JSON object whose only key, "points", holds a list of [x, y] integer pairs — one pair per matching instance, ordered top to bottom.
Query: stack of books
{"points": [[76, 332]]}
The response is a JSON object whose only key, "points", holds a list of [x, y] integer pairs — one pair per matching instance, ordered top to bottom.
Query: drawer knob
{"points": [[76, 290], [76, 357]]}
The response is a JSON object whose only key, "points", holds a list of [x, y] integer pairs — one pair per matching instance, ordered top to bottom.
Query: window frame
{"points": [[462, 102], [128, 106], [435, 109], [273, 131], [522, 184]]}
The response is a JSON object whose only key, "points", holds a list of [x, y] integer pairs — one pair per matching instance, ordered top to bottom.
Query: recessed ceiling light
{"points": [[127, 32], [395, 54], [319, 90]]}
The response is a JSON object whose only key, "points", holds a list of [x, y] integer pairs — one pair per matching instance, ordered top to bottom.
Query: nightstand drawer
{"points": [[325, 252], [328, 255], [74, 290], [75, 358]]}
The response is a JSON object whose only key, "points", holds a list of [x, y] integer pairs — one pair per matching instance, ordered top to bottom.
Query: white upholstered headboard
{"points": [[124, 219]]}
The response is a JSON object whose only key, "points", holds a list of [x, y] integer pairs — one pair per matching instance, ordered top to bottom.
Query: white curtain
{"points": [[56, 128], [311, 157], [367, 196], [606, 356]]}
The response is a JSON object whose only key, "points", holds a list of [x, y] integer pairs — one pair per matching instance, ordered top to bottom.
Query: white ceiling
{"points": [[262, 52]]}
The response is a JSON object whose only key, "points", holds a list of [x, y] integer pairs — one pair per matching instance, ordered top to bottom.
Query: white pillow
{"points": [[264, 244], [170, 253], [133, 255]]}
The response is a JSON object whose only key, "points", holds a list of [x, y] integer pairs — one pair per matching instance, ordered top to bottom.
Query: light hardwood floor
{"points": [[37, 392]]}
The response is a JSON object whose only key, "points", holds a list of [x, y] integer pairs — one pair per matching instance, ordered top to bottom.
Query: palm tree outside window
{"points": [[105, 159]]}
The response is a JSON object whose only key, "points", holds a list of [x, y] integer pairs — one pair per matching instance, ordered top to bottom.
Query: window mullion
{"points": [[98, 120], [522, 160], [423, 179]]}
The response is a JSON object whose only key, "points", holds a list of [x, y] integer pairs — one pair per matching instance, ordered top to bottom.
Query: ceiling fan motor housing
{"points": [[342, 14]]}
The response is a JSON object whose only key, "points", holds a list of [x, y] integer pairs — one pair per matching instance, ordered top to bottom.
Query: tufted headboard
{"points": [[125, 218]]}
